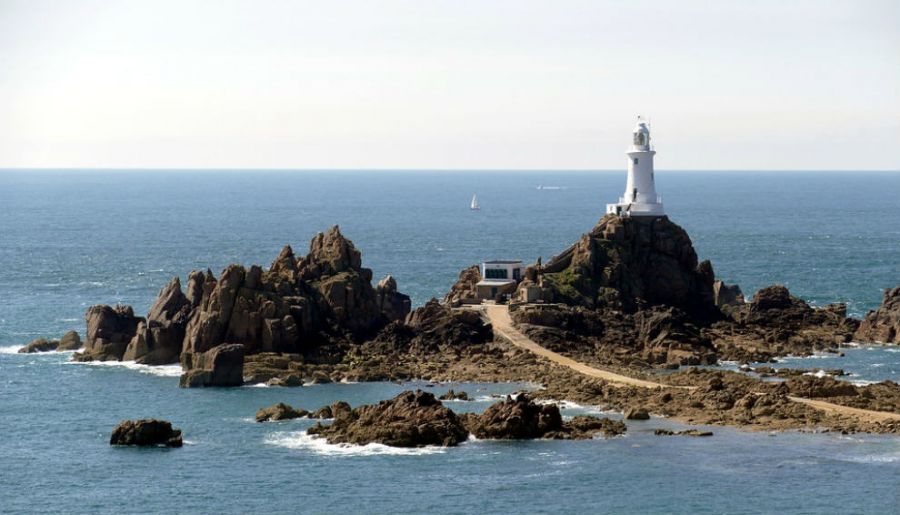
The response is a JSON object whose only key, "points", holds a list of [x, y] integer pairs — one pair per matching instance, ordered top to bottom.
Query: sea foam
{"points": [[10, 349], [156, 370], [303, 441]]}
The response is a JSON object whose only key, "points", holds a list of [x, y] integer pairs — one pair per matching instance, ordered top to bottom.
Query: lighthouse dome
{"points": [[641, 135]]}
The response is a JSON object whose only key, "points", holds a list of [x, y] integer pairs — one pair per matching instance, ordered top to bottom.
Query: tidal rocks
{"points": [[629, 262], [727, 296], [435, 324], [882, 325], [109, 331], [158, 340], [69, 341], [222, 365], [454, 396], [280, 411], [520, 418], [412, 419], [146, 432], [685, 432]]}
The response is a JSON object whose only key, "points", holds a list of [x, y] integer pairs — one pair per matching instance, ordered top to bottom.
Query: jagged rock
{"points": [[629, 262], [464, 288], [393, 304], [435, 324], [882, 325], [109, 330], [667, 337], [158, 340], [69, 341], [222, 365], [280, 411], [322, 413], [516, 418], [411, 419], [583, 427], [146, 432]]}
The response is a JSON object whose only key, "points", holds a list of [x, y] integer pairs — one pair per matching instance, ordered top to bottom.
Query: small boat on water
{"points": [[474, 205]]}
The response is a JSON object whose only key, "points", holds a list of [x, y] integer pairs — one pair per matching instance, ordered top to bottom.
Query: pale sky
{"points": [[451, 84]]}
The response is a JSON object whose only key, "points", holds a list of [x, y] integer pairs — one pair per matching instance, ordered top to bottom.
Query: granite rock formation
{"points": [[464, 288], [392, 304], [883, 324], [109, 331], [158, 340], [223, 365], [280, 411], [411, 419], [146, 432]]}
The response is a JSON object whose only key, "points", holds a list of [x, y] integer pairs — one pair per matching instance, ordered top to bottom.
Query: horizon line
{"points": [[407, 169]]}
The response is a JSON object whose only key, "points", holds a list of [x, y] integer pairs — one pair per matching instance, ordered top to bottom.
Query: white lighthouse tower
{"points": [[640, 197]]}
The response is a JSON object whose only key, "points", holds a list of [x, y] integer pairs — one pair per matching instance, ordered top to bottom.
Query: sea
{"points": [[70, 239]]}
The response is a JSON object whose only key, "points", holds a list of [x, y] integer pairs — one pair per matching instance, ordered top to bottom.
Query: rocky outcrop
{"points": [[630, 262], [464, 288], [727, 296], [393, 304], [776, 323], [435, 324], [883, 324], [109, 331], [158, 340], [69, 341], [222, 365], [454, 396], [280, 411], [520, 418], [411, 419], [146, 432], [685, 432]]}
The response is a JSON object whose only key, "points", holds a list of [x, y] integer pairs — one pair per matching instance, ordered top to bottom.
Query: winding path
{"points": [[502, 323]]}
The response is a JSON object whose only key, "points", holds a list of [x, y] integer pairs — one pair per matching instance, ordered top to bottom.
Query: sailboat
{"points": [[474, 205]]}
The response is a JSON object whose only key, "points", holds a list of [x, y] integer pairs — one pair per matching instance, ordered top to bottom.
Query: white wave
{"points": [[67, 319], [10, 349], [893, 349], [156, 370], [819, 373], [863, 382], [257, 385], [303, 441], [188, 442], [873, 458]]}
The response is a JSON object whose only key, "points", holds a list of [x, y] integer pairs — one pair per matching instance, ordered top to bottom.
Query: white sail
{"points": [[474, 205]]}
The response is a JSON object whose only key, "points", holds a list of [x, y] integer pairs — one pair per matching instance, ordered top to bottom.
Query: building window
{"points": [[635, 160], [495, 273]]}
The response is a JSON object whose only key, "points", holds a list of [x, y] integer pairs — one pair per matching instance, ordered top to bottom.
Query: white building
{"points": [[640, 197], [499, 277]]}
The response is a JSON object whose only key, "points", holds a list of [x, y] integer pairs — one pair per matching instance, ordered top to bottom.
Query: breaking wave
{"points": [[10, 349], [156, 370], [303, 441]]}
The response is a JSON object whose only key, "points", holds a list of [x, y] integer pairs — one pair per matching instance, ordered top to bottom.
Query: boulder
{"points": [[436, 324], [883, 324], [109, 331], [69, 341], [222, 365], [454, 396], [280, 411], [636, 414], [411, 419], [146, 432], [685, 432]]}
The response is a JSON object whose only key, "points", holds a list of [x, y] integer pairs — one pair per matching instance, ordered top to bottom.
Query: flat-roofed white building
{"points": [[499, 277]]}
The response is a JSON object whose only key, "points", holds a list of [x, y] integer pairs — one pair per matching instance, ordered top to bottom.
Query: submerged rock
{"points": [[883, 324], [69, 341], [454, 396], [280, 411], [411, 419], [146, 432], [686, 432]]}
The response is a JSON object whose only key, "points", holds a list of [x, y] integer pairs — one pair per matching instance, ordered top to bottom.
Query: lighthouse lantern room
{"points": [[640, 197]]}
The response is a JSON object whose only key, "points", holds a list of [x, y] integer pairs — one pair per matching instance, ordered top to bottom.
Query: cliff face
{"points": [[630, 263], [883, 324]]}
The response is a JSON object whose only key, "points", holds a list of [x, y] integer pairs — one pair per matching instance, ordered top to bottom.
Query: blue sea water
{"points": [[70, 239]]}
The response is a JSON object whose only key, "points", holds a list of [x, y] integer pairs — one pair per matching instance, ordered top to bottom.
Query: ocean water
{"points": [[70, 239]]}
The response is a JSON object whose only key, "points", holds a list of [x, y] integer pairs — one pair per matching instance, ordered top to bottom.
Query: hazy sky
{"points": [[453, 84]]}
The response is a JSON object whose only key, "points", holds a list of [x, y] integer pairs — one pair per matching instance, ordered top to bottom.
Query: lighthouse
{"points": [[640, 198]]}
